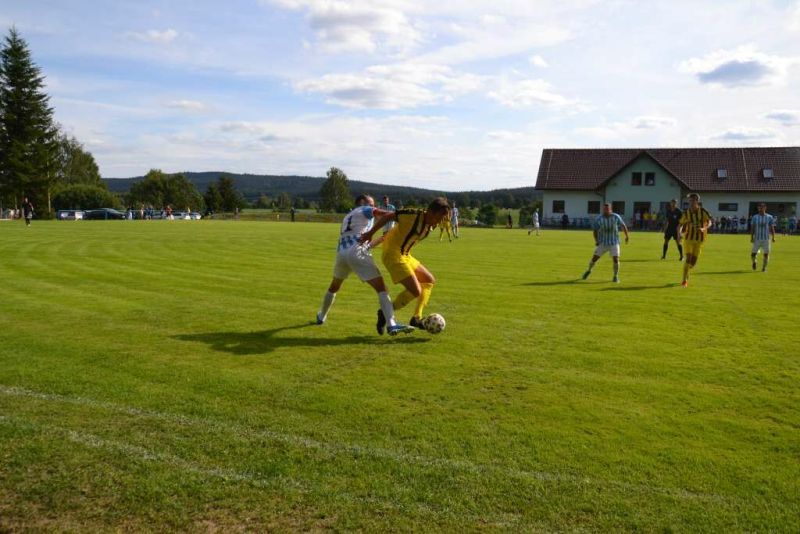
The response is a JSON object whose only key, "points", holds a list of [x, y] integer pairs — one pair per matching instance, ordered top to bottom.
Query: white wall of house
{"points": [[621, 189], [712, 201], [576, 203]]}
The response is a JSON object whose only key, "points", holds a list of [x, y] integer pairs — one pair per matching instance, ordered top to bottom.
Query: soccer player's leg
{"points": [[766, 250], [598, 251], [754, 254], [615, 258], [361, 262], [401, 269], [426, 281], [330, 295]]}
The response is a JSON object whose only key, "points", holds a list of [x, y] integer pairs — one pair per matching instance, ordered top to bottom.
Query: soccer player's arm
{"points": [[683, 220], [379, 223], [624, 229], [772, 229], [594, 232]]}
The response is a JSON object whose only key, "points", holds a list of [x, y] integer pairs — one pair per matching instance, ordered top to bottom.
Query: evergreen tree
{"points": [[27, 132], [335, 191], [230, 196], [213, 198]]}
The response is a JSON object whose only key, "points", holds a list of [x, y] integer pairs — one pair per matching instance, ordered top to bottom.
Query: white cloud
{"points": [[793, 18], [356, 26], [155, 36], [538, 61], [741, 67], [397, 86], [530, 93], [194, 106], [787, 117], [652, 122], [622, 132], [745, 134]]}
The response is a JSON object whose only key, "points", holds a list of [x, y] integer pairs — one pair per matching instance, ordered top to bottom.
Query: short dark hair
{"points": [[361, 198], [439, 205]]}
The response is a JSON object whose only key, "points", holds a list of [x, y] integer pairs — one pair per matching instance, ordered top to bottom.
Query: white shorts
{"points": [[762, 244], [611, 249], [357, 259]]}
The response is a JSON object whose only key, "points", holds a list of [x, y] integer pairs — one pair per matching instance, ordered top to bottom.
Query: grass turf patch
{"points": [[167, 376]]}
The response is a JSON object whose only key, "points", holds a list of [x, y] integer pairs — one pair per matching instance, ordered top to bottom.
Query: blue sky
{"points": [[450, 95]]}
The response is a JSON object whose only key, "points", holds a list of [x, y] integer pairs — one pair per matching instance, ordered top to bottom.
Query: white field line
{"points": [[355, 450], [229, 475]]}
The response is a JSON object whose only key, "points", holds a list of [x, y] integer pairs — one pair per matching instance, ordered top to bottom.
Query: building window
{"points": [[722, 173], [767, 173], [636, 178], [649, 178], [558, 206], [618, 206], [728, 206], [593, 208]]}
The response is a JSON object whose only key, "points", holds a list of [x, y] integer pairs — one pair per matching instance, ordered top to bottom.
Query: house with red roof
{"points": [[730, 181]]}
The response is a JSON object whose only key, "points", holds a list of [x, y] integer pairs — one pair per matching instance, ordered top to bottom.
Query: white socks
{"points": [[327, 302], [387, 308]]}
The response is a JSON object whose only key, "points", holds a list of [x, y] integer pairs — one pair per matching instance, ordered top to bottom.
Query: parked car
{"points": [[103, 214], [69, 215], [187, 216]]}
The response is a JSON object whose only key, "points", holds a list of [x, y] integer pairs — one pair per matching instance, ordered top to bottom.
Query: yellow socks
{"points": [[686, 267], [402, 299], [423, 299]]}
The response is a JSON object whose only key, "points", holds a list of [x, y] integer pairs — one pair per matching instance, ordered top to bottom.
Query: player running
{"points": [[454, 219], [534, 222], [671, 223], [413, 225], [446, 226], [693, 226], [762, 228], [606, 239], [354, 256]]}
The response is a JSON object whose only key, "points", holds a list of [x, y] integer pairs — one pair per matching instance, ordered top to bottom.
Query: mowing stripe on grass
{"points": [[359, 450], [229, 475]]}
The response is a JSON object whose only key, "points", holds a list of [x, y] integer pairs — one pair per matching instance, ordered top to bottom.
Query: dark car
{"points": [[103, 214]]}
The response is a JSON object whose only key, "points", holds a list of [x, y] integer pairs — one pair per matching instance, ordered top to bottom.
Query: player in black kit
{"points": [[671, 224]]}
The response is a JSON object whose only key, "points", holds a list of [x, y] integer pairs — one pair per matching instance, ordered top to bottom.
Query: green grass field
{"points": [[166, 376]]}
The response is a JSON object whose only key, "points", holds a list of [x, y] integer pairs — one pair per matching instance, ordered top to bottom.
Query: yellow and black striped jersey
{"points": [[693, 222], [409, 229]]}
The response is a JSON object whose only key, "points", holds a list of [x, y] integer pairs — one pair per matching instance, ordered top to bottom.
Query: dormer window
{"points": [[722, 173], [767, 173]]}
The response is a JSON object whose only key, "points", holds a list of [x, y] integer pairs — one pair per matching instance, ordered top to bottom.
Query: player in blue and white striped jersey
{"points": [[762, 232], [606, 239], [353, 256]]}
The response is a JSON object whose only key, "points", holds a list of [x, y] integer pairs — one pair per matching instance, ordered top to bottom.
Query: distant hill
{"points": [[251, 186]]}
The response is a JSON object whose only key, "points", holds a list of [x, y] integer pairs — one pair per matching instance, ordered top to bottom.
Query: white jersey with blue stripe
{"points": [[355, 223], [389, 225], [761, 225], [608, 229]]}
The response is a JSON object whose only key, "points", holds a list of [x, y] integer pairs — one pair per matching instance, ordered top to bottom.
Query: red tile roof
{"points": [[695, 168]]}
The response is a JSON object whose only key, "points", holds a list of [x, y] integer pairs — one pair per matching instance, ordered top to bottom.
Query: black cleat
{"points": [[754, 266], [416, 322], [381, 324]]}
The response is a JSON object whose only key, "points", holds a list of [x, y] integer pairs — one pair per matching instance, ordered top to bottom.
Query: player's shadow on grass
{"points": [[702, 273], [554, 283], [639, 288], [265, 341]]}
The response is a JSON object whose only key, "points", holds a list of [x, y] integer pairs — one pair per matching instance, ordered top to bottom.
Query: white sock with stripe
{"points": [[327, 302], [386, 307]]}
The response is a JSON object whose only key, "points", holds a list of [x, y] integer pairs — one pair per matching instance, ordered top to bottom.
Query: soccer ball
{"points": [[434, 323]]}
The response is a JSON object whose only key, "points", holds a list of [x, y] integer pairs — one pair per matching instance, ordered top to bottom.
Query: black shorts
{"points": [[671, 234]]}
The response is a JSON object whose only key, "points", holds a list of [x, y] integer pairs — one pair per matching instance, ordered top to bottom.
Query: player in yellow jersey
{"points": [[445, 225], [411, 227], [693, 228]]}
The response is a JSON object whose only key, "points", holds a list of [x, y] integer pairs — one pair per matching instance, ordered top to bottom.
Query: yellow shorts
{"points": [[693, 248], [400, 266]]}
